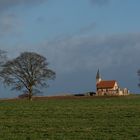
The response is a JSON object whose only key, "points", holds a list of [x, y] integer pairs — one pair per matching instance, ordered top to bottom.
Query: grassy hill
{"points": [[92, 118]]}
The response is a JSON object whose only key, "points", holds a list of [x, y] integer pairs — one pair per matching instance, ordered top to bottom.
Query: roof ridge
{"points": [[107, 80]]}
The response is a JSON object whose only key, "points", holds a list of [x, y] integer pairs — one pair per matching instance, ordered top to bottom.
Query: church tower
{"points": [[98, 77]]}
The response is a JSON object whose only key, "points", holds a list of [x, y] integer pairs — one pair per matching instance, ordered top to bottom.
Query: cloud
{"points": [[100, 2], [6, 4], [9, 24], [82, 31], [92, 52], [88, 53], [77, 59]]}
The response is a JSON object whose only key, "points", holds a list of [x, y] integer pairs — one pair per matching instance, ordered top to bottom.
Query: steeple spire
{"points": [[98, 74], [98, 77]]}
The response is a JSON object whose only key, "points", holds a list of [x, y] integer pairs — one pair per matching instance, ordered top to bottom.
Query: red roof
{"points": [[106, 84]]}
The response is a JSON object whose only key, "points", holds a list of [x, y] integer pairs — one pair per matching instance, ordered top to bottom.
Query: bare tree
{"points": [[3, 57], [28, 72], [138, 72]]}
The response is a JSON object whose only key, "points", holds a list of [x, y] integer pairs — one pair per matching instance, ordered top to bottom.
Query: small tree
{"points": [[28, 72]]}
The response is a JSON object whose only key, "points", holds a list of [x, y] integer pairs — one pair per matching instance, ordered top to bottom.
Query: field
{"points": [[92, 118]]}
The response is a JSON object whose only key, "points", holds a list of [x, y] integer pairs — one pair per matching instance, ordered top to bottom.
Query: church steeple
{"points": [[98, 77]]}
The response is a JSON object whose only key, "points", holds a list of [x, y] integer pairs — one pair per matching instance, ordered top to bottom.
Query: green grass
{"points": [[109, 118]]}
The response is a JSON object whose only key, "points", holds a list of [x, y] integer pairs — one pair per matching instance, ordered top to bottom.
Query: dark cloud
{"points": [[100, 2], [6, 4], [79, 32], [96, 51], [112, 51], [117, 56], [77, 59]]}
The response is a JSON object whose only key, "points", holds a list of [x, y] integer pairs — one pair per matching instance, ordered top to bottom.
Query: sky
{"points": [[77, 37]]}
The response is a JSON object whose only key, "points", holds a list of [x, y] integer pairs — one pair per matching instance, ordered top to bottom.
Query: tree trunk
{"points": [[30, 93], [30, 97]]}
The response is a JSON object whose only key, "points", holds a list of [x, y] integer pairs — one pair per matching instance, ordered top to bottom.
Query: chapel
{"points": [[108, 87]]}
